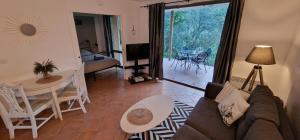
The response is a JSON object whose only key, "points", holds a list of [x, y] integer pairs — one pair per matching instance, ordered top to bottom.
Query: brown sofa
{"points": [[264, 120]]}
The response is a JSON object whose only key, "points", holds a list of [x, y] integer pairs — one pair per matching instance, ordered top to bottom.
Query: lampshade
{"points": [[261, 54]]}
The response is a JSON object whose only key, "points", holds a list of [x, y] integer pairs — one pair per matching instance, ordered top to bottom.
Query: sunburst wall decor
{"points": [[25, 30]]}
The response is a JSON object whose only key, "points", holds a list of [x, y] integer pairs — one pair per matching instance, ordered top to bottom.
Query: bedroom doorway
{"points": [[99, 39]]}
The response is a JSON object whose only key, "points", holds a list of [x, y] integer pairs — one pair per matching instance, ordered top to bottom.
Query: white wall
{"points": [[273, 23], [87, 30], [59, 43], [55, 44], [293, 64]]}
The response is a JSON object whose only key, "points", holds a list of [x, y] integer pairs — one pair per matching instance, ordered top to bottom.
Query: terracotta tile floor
{"points": [[110, 96]]}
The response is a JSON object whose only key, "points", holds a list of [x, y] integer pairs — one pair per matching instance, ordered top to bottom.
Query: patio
{"points": [[187, 76]]}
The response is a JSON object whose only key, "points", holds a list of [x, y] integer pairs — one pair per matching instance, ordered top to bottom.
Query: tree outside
{"points": [[196, 28]]}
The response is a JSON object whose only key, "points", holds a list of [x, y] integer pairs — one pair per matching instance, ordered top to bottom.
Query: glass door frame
{"points": [[194, 5]]}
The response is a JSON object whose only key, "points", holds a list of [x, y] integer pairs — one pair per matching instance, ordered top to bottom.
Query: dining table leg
{"points": [[55, 100]]}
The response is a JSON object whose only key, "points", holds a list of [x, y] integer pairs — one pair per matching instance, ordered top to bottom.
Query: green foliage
{"points": [[179, 17], [196, 28], [44, 68]]}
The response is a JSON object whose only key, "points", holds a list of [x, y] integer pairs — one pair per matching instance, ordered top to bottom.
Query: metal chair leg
{"points": [[173, 63], [176, 65], [190, 65], [198, 67]]}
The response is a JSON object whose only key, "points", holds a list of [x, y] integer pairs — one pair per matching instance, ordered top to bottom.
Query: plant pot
{"points": [[46, 75]]}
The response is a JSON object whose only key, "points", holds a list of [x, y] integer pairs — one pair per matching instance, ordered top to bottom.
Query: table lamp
{"points": [[260, 55]]}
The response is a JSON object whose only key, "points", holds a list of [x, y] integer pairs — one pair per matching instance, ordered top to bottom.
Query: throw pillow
{"points": [[228, 89], [244, 94], [232, 107]]}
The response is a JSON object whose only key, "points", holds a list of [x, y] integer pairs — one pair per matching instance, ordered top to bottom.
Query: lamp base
{"points": [[252, 76]]}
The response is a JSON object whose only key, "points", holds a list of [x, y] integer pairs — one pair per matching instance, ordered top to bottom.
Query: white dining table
{"points": [[32, 88]]}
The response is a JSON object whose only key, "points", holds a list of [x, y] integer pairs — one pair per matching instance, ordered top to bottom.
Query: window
{"points": [[189, 33]]}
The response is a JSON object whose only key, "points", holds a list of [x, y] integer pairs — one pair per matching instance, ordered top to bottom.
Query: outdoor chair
{"points": [[179, 58], [201, 58]]}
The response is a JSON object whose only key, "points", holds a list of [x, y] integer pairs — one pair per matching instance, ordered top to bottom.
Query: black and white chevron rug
{"points": [[166, 129]]}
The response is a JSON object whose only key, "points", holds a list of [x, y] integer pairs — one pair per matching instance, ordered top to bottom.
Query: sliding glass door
{"points": [[192, 37]]}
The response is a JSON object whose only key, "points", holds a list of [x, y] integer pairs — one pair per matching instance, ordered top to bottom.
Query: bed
{"points": [[95, 62]]}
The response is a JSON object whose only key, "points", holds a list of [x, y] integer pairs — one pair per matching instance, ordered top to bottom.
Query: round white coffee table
{"points": [[161, 107]]}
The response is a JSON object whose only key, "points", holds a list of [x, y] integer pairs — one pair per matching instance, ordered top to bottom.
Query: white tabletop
{"points": [[32, 88], [161, 107]]}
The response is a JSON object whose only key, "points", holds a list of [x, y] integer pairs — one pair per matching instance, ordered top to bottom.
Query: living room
{"points": [[49, 33]]}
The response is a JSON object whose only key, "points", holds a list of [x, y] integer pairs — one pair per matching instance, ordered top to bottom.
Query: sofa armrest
{"points": [[212, 90]]}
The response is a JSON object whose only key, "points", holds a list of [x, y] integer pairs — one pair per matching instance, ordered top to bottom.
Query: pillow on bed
{"points": [[85, 52], [98, 57], [87, 58]]}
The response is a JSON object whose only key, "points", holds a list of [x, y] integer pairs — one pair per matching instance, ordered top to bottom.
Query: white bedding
{"points": [[92, 65]]}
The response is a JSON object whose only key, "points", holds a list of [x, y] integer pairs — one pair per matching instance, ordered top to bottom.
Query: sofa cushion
{"points": [[229, 89], [262, 106], [232, 107], [206, 119], [263, 130], [188, 133]]}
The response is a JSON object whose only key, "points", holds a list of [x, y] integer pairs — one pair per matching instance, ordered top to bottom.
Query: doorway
{"points": [[91, 34], [191, 39], [100, 43]]}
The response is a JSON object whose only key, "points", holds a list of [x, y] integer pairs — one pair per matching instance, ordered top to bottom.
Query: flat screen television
{"points": [[137, 51]]}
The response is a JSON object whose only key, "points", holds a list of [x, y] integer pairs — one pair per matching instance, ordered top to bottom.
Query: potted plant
{"points": [[44, 68]]}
